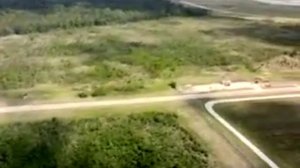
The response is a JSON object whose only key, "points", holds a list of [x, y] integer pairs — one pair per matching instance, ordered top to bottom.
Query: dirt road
{"points": [[144, 100], [227, 154]]}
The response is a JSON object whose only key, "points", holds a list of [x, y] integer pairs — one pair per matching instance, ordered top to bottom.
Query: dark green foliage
{"points": [[26, 16], [266, 32], [173, 85], [82, 95], [141, 140], [31, 146]]}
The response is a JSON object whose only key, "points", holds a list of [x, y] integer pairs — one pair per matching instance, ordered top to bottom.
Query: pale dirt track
{"points": [[143, 100], [230, 159]]}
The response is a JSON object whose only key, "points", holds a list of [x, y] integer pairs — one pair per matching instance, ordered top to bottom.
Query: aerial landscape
{"points": [[149, 83]]}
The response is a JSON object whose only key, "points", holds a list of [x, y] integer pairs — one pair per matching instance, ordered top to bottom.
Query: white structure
{"points": [[281, 2], [214, 87]]}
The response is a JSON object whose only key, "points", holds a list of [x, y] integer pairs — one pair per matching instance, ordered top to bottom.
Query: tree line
{"points": [[26, 16]]}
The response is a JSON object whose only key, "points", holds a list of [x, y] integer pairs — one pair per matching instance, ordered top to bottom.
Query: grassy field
{"points": [[62, 50], [143, 56], [272, 125], [150, 139]]}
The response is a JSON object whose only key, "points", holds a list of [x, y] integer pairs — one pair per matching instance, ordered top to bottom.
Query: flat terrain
{"points": [[70, 50], [144, 57], [272, 125]]}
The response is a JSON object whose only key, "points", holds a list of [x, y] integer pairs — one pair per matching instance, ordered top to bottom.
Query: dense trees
{"points": [[119, 4], [25, 16], [141, 140]]}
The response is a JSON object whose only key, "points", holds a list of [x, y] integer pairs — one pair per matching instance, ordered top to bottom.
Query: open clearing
{"points": [[108, 49], [144, 57], [272, 125]]}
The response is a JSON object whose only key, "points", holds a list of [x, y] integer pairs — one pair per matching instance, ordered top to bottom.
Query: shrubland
{"points": [[26, 16], [171, 43], [150, 139]]}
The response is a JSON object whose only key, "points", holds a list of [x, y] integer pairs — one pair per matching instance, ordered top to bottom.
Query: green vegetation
{"points": [[26, 16], [134, 57], [78, 58], [109, 59], [274, 126], [149, 139]]}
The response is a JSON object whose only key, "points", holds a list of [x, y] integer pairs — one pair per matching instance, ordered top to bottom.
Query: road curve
{"points": [[281, 2], [248, 7], [209, 107]]}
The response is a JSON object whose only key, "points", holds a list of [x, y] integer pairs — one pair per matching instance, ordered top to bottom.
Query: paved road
{"points": [[281, 2], [251, 7], [209, 107]]}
